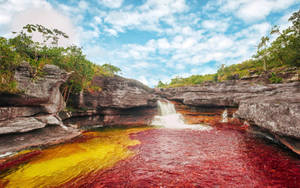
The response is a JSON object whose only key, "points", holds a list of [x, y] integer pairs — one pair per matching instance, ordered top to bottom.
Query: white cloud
{"points": [[111, 3], [83, 5], [10, 7], [250, 10], [36, 12], [146, 16], [48, 18], [215, 25], [112, 32], [180, 39], [163, 44], [203, 71]]}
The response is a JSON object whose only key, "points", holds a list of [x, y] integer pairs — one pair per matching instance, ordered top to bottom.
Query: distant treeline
{"points": [[284, 51]]}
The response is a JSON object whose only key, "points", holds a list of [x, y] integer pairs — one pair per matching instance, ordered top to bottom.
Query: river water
{"points": [[172, 155]]}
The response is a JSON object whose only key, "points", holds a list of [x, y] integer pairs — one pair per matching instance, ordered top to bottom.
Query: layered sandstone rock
{"points": [[120, 101], [275, 107], [34, 110]]}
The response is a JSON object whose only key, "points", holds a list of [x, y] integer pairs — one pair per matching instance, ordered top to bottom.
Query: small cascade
{"points": [[225, 116], [169, 118]]}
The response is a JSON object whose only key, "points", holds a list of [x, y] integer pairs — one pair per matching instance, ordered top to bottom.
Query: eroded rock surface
{"points": [[41, 91], [117, 92], [120, 101], [275, 107], [28, 118], [39, 137]]}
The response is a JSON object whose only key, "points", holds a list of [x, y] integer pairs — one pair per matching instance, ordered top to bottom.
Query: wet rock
{"points": [[275, 107], [40, 137]]}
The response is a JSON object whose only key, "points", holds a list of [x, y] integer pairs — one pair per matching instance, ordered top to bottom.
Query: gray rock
{"points": [[41, 91], [117, 92], [39, 95], [120, 101], [275, 107], [13, 112], [279, 117], [49, 119], [20, 124], [40, 137]]}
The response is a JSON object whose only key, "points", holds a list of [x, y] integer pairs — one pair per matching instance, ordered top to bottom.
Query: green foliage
{"points": [[23, 48], [283, 52], [9, 60], [110, 69], [275, 79], [192, 80], [161, 84]]}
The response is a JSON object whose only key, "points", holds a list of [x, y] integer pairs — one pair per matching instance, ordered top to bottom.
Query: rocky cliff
{"points": [[120, 101], [274, 107], [33, 110], [36, 116]]}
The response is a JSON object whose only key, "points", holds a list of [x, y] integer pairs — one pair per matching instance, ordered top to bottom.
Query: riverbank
{"points": [[40, 113]]}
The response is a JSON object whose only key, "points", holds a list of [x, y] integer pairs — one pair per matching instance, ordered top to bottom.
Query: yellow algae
{"points": [[62, 163]]}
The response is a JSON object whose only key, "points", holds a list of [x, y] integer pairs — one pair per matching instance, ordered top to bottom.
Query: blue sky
{"points": [[152, 40]]}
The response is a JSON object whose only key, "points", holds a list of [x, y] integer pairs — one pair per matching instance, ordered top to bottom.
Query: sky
{"points": [[152, 40]]}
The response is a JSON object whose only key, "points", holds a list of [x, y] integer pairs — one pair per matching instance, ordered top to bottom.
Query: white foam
{"points": [[169, 118], [6, 154]]}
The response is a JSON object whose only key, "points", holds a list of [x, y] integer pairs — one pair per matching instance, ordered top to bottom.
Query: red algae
{"points": [[221, 157], [17, 160]]}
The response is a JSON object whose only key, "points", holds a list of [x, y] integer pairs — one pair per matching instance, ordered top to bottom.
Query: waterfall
{"points": [[225, 116], [169, 118]]}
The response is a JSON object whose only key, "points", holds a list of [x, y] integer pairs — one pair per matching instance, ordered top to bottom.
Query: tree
{"points": [[295, 19], [263, 52], [111, 68], [160, 84]]}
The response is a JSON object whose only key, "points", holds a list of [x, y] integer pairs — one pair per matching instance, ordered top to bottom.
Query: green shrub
{"points": [[37, 54], [275, 79]]}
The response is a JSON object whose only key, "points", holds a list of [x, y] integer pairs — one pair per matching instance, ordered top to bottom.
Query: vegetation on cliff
{"points": [[22, 47], [271, 57]]}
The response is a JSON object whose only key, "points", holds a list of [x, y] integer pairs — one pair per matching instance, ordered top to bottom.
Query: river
{"points": [[162, 156]]}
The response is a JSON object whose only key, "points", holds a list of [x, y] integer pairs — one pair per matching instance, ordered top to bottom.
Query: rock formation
{"points": [[120, 101], [274, 107], [33, 109], [37, 115], [34, 116]]}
